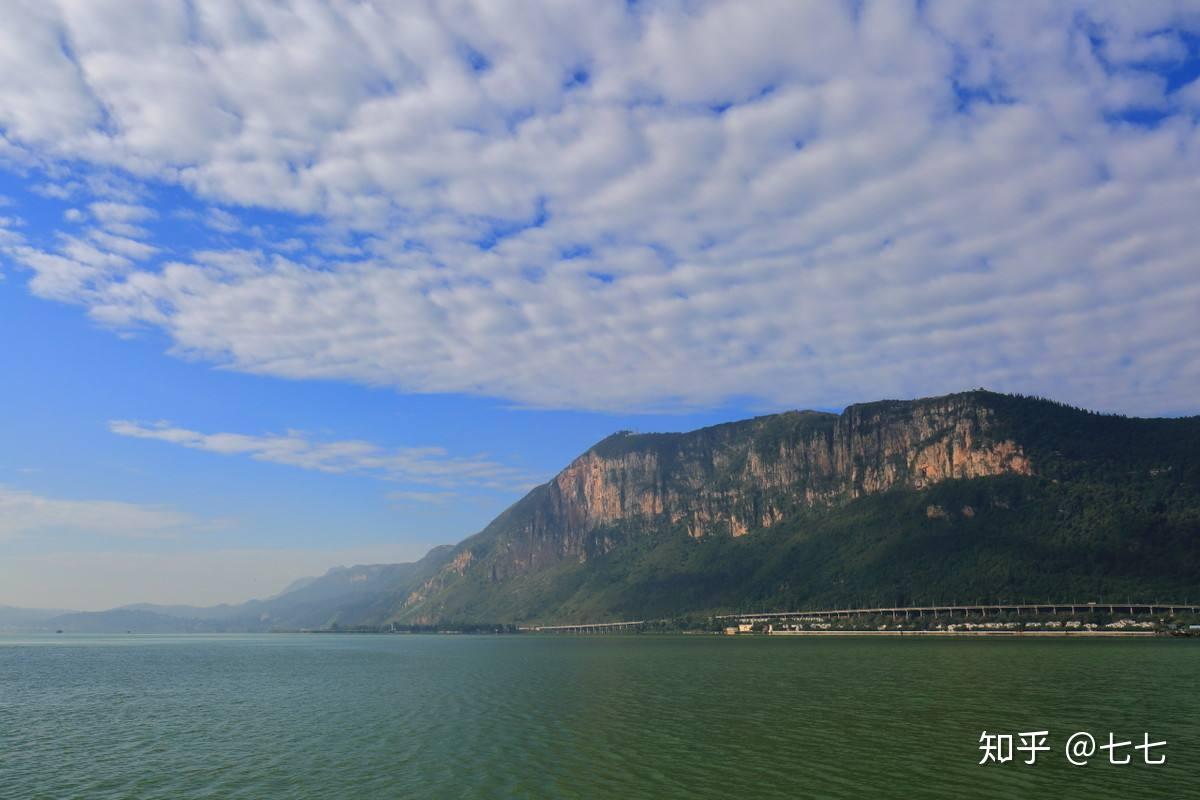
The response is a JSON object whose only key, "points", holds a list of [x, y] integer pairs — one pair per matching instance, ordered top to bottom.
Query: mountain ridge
{"points": [[755, 475], [970, 494]]}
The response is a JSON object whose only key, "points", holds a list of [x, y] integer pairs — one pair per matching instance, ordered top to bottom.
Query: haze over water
{"points": [[330, 716]]}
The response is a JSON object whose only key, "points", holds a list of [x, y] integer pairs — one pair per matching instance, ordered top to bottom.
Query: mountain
{"points": [[973, 495], [343, 595], [26, 619], [122, 620]]}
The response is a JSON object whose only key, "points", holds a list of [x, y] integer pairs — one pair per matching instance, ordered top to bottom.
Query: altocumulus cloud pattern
{"points": [[624, 205]]}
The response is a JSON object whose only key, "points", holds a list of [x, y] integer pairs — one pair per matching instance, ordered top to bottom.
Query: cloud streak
{"points": [[666, 207], [423, 465], [23, 513]]}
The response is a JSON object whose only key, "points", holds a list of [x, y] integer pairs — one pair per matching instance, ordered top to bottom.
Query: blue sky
{"points": [[291, 285], [71, 379]]}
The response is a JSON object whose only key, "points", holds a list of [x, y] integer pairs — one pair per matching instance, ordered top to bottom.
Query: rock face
{"points": [[752, 474], [734, 479]]}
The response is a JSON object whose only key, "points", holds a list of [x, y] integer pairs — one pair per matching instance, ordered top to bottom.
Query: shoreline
{"points": [[1012, 634]]}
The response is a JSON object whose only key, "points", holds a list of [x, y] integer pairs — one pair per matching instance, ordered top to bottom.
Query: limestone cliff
{"points": [[734, 479]]}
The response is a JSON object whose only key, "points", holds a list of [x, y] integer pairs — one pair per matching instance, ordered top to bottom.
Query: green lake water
{"points": [[346, 716]]}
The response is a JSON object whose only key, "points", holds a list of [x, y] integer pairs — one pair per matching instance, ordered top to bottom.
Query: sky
{"points": [[290, 285]]}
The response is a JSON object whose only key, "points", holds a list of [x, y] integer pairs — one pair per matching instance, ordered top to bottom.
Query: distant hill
{"points": [[975, 496], [342, 596], [26, 619], [125, 620]]}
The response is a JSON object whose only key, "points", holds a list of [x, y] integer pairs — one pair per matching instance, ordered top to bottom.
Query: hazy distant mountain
{"points": [[341, 596], [223, 611], [26, 619], [122, 620]]}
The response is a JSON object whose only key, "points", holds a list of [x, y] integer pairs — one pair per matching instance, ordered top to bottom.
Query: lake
{"points": [[359, 716]]}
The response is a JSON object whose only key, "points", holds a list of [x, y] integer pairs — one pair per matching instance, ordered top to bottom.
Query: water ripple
{"points": [[631, 717]]}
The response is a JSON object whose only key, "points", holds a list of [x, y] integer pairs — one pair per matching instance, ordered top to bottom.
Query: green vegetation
{"points": [[1069, 443], [1112, 514], [1021, 539]]}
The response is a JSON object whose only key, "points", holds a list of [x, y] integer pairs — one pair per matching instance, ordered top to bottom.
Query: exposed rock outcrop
{"points": [[733, 479]]}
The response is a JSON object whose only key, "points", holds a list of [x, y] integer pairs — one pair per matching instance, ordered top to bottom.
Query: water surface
{"points": [[345, 716]]}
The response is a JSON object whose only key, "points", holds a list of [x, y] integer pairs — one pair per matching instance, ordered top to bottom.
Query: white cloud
{"points": [[1190, 96], [58, 192], [669, 206], [110, 212], [122, 218], [223, 221], [9, 237], [122, 246], [425, 465], [405, 497], [23, 512]]}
